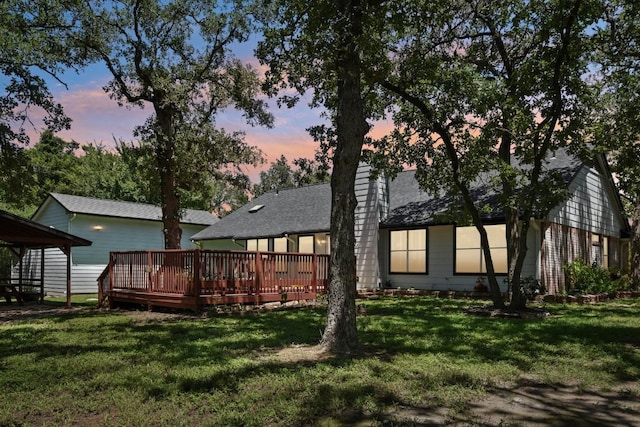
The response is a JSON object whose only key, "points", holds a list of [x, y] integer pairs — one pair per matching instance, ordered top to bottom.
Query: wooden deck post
{"points": [[112, 263], [150, 269], [314, 275], [197, 276], [259, 276]]}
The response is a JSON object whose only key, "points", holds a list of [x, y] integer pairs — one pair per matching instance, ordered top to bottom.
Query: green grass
{"points": [[114, 368]]}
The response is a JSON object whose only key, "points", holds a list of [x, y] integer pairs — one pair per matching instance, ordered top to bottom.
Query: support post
{"points": [[68, 252], [41, 275]]}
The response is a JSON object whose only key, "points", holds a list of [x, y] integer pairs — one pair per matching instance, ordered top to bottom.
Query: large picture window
{"points": [[408, 251], [469, 256]]}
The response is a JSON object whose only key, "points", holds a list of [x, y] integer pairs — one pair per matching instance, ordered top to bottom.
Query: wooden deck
{"points": [[192, 279]]}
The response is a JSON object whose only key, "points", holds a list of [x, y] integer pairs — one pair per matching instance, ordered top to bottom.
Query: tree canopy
{"points": [[176, 58], [490, 89], [281, 175]]}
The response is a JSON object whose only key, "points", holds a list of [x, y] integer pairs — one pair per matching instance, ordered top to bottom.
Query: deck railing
{"points": [[209, 273]]}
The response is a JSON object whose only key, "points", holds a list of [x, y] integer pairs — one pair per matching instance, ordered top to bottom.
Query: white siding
{"points": [[368, 214], [440, 254]]}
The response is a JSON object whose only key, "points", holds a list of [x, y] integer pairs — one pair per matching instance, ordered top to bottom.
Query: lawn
{"points": [[420, 356]]}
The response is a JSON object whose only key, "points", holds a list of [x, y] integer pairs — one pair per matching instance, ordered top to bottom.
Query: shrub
{"points": [[584, 278]]}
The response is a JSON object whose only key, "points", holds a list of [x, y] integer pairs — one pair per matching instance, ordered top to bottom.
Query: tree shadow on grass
{"points": [[230, 355]]}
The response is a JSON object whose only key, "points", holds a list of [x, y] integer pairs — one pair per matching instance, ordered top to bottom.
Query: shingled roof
{"points": [[410, 206], [119, 209], [300, 210], [306, 210], [21, 232]]}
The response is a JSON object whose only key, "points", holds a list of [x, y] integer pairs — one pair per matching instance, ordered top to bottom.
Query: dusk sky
{"points": [[99, 119]]}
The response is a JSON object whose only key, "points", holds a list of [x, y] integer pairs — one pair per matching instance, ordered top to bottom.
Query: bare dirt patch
{"points": [[15, 312], [301, 354], [539, 405]]}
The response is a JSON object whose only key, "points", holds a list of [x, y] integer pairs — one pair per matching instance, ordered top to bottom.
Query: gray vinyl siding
{"points": [[368, 193], [591, 205], [591, 209], [54, 215], [120, 234], [88, 262], [83, 277]]}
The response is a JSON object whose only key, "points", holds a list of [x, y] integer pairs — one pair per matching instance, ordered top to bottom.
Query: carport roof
{"points": [[20, 232]]}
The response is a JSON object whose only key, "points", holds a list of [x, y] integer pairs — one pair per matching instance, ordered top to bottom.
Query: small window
{"points": [[256, 208], [600, 250], [408, 252]]}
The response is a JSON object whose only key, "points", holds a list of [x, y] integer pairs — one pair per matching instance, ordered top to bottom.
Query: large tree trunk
{"points": [[167, 167], [635, 245], [517, 249], [341, 335]]}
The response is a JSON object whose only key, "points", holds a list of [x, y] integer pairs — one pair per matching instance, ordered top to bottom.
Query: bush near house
{"points": [[583, 278]]}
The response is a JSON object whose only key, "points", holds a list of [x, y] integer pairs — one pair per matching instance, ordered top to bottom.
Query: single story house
{"points": [[111, 226], [403, 241]]}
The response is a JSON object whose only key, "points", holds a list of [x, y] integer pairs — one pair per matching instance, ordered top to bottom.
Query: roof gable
{"points": [[411, 206], [120, 209]]}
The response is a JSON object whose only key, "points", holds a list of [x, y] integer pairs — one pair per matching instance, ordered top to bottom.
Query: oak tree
{"points": [[175, 58]]}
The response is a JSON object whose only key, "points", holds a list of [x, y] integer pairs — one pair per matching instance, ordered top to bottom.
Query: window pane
{"points": [[496, 235], [467, 237], [417, 239], [399, 240], [280, 244], [305, 244], [322, 244], [252, 245], [263, 245], [499, 258], [468, 261], [399, 262], [417, 262]]}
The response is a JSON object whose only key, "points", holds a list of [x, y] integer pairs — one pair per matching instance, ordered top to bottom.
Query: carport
{"points": [[21, 235]]}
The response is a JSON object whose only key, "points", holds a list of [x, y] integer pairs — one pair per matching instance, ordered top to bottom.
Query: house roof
{"points": [[410, 206], [120, 209], [307, 209], [293, 211], [21, 232]]}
